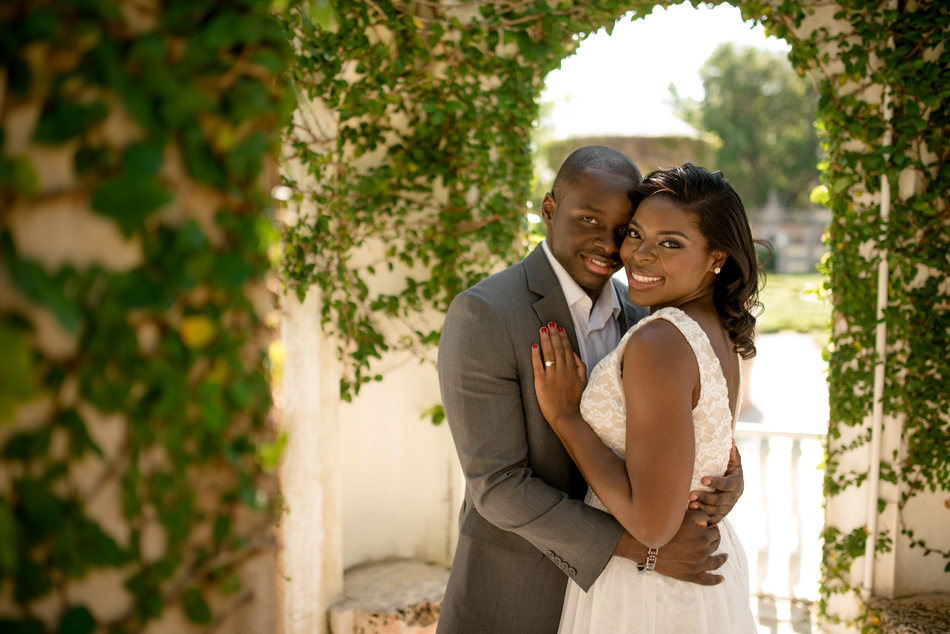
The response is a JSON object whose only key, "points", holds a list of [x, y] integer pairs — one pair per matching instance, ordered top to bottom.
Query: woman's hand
{"points": [[559, 375]]}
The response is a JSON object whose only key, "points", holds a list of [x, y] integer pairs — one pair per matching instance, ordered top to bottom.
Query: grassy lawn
{"points": [[790, 306]]}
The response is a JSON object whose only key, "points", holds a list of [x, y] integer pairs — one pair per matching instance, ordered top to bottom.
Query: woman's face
{"points": [[667, 259]]}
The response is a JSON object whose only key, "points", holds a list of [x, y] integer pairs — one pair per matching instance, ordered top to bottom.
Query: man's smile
{"points": [[606, 265]]}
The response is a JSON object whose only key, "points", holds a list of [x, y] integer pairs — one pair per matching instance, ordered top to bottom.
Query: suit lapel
{"points": [[551, 306]]}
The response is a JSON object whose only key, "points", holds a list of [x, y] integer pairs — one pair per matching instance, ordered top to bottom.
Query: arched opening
{"points": [[462, 116]]}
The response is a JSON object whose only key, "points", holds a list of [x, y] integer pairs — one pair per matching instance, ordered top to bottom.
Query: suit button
{"points": [[551, 554], [557, 560], [564, 566], [572, 572]]}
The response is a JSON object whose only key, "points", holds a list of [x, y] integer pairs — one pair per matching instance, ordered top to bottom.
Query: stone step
{"points": [[390, 597], [920, 614]]}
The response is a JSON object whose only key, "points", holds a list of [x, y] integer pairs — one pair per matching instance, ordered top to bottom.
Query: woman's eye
{"points": [[670, 244]]}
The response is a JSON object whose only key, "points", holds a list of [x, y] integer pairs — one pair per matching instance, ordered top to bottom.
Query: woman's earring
{"points": [[717, 269]]}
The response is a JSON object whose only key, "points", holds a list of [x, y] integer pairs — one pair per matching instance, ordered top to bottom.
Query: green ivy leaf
{"points": [[323, 16], [39, 23], [62, 120], [245, 157], [142, 160], [200, 161], [17, 174], [129, 199], [42, 288], [17, 372], [436, 413], [79, 439], [27, 446], [268, 454], [222, 528], [8, 540], [32, 581], [196, 609], [77, 620], [30, 625]]}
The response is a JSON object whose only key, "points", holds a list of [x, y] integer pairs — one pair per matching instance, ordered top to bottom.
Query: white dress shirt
{"points": [[597, 327]]}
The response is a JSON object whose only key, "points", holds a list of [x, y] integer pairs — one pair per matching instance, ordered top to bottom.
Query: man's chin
{"points": [[594, 283]]}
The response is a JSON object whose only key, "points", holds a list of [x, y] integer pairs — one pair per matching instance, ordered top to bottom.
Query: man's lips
{"points": [[605, 266]]}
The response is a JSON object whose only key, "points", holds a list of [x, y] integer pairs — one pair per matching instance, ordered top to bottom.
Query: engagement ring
{"points": [[548, 364]]}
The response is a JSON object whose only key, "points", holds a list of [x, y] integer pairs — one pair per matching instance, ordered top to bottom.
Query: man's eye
{"points": [[589, 220]]}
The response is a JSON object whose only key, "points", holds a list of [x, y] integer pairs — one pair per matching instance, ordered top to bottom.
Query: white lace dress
{"points": [[622, 600]]}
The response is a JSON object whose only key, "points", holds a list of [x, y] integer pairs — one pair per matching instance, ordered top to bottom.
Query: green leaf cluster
{"points": [[429, 166], [171, 350]]}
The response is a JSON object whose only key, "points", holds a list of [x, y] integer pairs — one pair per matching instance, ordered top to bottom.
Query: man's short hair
{"points": [[593, 157]]}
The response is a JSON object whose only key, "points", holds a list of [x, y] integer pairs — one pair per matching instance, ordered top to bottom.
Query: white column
{"points": [[311, 576]]}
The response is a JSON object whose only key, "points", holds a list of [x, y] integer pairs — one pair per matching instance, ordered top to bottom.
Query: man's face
{"points": [[585, 229]]}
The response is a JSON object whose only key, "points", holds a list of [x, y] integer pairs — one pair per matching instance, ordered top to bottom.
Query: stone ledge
{"points": [[391, 597], [920, 614]]}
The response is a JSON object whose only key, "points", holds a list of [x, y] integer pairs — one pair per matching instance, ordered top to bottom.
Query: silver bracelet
{"points": [[650, 563]]}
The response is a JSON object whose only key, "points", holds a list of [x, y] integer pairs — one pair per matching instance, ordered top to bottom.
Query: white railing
{"points": [[780, 516]]}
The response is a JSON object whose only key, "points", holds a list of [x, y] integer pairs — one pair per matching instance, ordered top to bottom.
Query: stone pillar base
{"points": [[392, 597]]}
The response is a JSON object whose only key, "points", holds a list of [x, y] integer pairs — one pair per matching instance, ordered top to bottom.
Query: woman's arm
{"points": [[648, 492]]}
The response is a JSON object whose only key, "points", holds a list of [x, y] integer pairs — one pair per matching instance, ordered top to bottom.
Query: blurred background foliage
{"points": [[136, 244]]}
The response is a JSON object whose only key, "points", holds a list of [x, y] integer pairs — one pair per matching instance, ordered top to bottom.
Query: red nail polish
{"points": [[551, 324], [559, 329], [544, 330], [534, 346]]}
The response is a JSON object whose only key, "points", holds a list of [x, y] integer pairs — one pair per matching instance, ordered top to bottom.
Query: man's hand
{"points": [[727, 489], [688, 556]]}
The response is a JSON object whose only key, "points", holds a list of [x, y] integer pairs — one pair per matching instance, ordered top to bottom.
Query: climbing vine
{"points": [[900, 49], [416, 152], [134, 436]]}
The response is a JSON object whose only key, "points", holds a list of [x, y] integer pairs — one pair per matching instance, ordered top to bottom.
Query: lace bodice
{"points": [[603, 405]]}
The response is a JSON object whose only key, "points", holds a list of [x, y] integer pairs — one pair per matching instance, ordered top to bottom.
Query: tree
{"points": [[762, 115]]}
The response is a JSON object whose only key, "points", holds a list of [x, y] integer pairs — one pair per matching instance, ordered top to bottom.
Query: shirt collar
{"points": [[573, 293]]}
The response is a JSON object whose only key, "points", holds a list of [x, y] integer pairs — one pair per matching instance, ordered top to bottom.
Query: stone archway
{"points": [[425, 116]]}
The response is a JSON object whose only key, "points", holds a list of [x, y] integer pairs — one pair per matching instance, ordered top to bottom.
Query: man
{"points": [[524, 528]]}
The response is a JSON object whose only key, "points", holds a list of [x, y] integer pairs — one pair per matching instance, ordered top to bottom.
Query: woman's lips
{"points": [[642, 281]]}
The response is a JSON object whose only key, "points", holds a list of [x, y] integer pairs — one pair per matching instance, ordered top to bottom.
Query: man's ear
{"points": [[548, 206]]}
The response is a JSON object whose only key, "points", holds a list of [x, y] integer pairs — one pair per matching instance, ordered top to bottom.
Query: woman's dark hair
{"points": [[721, 218]]}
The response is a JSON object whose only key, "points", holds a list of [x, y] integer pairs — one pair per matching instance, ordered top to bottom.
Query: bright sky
{"points": [[618, 84]]}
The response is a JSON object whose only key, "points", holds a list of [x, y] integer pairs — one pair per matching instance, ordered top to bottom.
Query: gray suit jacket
{"points": [[524, 528]]}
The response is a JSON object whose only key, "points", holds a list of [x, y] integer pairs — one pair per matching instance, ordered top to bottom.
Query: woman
{"points": [[659, 411]]}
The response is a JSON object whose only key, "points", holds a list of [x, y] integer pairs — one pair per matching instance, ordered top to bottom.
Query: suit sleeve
{"points": [[482, 394]]}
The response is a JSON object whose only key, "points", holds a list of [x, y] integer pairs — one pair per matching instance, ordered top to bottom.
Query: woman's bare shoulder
{"points": [[658, 344]]}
